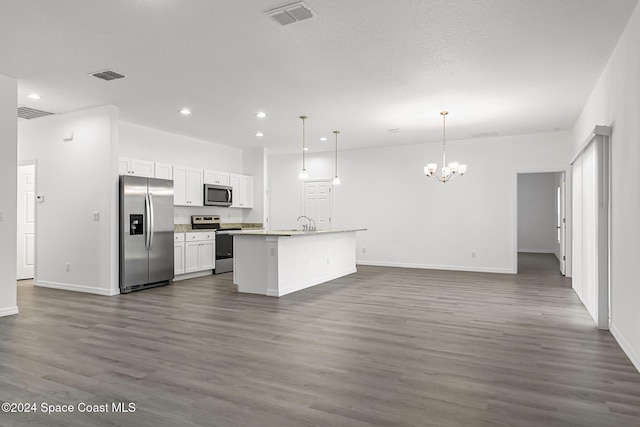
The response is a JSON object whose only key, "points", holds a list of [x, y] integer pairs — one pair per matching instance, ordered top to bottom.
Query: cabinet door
{"points": [[124, 166], [142, 168], [163, 171], [209, 177], [216, 177], [180, 178], [223, 178], [234, 180], [195, 187], [242, 191], [248, 192], [207, 255], [192, 257], [178, 258]]}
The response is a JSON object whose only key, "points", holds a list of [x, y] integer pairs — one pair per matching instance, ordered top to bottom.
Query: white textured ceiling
{"points": [[359, 66]]}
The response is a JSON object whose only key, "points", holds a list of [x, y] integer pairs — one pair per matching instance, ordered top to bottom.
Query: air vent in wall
{"points": [[291, 13], [108, 75], [31, 113]]}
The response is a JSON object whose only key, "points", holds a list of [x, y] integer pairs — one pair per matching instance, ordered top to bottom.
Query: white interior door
{"points": [[317, 202], [562, 205], [26, 222]]}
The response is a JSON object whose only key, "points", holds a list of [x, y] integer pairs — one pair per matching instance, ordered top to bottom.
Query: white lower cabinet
{"points": [[200, 251], [178, 254]]}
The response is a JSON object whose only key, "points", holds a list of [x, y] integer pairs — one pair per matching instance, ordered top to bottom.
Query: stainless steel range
{"points": [[224, 240]]}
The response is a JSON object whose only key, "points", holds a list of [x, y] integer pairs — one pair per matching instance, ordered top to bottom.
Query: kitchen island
{"points": [[276, 263]]}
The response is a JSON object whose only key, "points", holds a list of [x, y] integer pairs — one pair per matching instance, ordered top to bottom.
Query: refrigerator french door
{"points": [[146, 232]]}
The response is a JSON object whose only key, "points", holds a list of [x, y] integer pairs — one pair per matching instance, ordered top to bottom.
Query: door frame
{"points": [[33, 162], [567, 202]]}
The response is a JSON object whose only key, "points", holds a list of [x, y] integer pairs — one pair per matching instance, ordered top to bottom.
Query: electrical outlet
{"points": [[1, 215], [96, 216], [364, 250], [473, 254], [328, 261], [67, 266]]}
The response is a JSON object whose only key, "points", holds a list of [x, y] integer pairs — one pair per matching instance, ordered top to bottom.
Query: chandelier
{"points": [[447, 171]]}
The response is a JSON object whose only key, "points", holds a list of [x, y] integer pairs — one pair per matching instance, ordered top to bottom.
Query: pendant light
{"points": [[450, 170], [303, 172], [336, 180]]}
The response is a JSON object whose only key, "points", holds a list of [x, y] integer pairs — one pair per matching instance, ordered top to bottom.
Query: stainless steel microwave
{"points": [[217, 195]]}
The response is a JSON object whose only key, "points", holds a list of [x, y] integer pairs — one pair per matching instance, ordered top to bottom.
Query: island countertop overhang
{"points": [[292, 233]]}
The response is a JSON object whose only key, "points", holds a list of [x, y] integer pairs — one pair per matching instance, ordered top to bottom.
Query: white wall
{"points": [[615, 101], [140, 142], [76, 178], [8, 188], [537, 215], [413, 221]]}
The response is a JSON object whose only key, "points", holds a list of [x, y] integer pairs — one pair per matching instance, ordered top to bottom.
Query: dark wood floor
{"points": [[382, 347]]}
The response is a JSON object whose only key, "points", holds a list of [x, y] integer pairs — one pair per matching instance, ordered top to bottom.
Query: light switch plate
{"points": [[96, 216]]}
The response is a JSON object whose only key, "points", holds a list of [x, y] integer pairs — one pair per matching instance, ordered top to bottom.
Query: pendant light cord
{"points": [[444, 137]]}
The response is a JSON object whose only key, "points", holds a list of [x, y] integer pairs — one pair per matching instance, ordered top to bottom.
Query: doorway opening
{"points": [[26, 220], [541, 223]]}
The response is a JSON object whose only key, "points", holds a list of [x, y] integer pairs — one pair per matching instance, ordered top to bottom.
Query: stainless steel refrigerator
{"points": [[146, 232]]}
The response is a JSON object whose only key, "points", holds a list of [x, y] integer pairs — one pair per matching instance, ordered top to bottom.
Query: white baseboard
{"points": [[437, 267], [192, 275], [77, 288], [9, 311], [626, 347]]}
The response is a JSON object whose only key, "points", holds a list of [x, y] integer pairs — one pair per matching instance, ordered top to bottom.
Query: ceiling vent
{"points": [[289, 14], [108, 75], [31, 113], [484, 134]]}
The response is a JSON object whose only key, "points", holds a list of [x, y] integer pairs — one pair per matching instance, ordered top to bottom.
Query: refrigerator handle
{"points": [[147, 220], [151, 222]]}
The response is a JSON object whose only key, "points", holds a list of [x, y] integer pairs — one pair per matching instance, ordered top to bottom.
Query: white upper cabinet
{"points": [[136, 167], [163, 170], [216, 177], [187, 186], [242, 190]]}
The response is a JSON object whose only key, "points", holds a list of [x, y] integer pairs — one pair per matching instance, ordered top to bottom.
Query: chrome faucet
{"points": [[310, 225]]}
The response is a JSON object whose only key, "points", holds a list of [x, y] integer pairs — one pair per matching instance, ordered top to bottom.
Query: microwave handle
{"points": [[229, 196]]}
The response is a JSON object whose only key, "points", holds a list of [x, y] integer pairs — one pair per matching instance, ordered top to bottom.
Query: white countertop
{"points": [[291, 232]]}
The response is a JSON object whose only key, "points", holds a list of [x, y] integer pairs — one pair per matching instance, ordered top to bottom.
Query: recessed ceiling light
{"points": [[34, 96], [185, 111], [261, 115], [259, 134], [323, 139]]}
